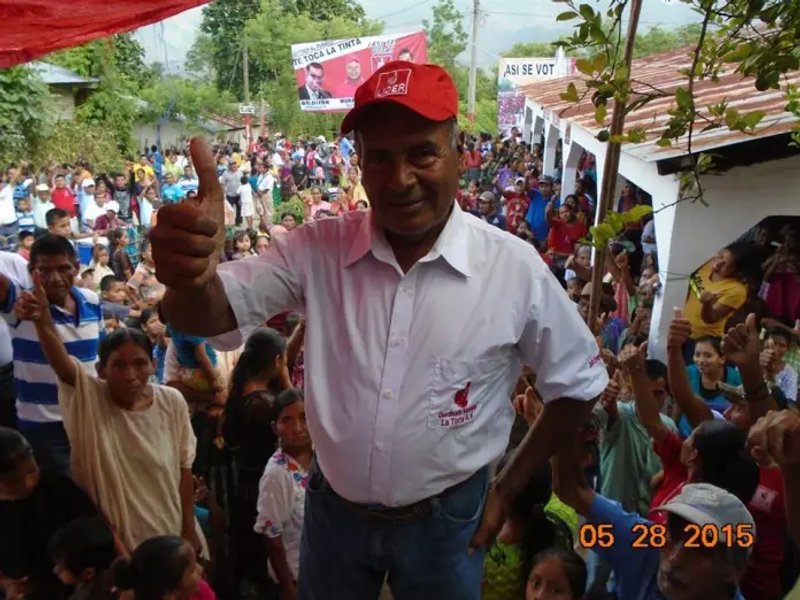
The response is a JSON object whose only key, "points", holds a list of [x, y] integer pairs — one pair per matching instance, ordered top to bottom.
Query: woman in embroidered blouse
{"points": [[282, 491]]}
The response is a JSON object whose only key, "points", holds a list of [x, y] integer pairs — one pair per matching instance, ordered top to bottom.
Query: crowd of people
{"points": [[138, 459]]}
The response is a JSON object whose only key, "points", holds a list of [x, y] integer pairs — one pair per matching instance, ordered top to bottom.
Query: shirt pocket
{"points": [[456, 395]]}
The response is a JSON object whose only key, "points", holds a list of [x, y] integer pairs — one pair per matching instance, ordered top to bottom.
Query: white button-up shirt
{"points": [[409, 376]]}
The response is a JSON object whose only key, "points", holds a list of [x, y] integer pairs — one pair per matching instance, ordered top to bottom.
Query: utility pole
{"points": [[473, 61], [248, 118]]}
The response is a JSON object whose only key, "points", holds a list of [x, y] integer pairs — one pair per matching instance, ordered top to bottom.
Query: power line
{"points": [[402, 10]]}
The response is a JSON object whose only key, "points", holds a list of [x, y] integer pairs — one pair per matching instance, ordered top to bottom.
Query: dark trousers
{"points": [[235, 203], [8, 400], [50, 445], [346, 555]]}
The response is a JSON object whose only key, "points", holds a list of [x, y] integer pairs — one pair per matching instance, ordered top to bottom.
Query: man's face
{"points": [[353, 70], [314, 78], [143, 161], [410, 170], [187, 171], [119, 181], [60, 182], [546, 188], [44, 195], [22, 204], [485, 207], [58, 275], [658, 387], [691, 573]]}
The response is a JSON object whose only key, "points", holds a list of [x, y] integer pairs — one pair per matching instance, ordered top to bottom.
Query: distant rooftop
{"points": [[55, 75]]}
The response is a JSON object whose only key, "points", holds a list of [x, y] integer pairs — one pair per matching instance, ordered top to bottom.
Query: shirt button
{"points": [[387, 393]]}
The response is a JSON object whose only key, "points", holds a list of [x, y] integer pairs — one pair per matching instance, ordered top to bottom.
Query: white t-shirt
{"points": [[277, 161], [266, 181], [245, 194], [40, 212], [92, 212], [8, 213], [14, 267], [129, 462]]}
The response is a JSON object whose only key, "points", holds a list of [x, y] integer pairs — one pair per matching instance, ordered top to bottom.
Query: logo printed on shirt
{"points": [[393, 83], [460, 415]]}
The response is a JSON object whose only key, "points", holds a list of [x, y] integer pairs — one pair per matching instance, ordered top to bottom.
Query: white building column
{"points": [[552, 136]]}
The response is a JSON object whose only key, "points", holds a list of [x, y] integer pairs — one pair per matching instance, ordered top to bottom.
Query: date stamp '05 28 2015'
{"points": [[654, 535]]}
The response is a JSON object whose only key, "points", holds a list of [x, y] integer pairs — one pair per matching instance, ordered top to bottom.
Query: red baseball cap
{"points": [[428, 90]]}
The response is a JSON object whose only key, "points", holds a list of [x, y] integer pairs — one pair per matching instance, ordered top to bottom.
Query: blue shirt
{"points": [[345, 149], [188, 185], [172, 192], [495, 219], [25, 221], [185, 347], [160, 358], [35, 380], [718, 403], [635, 569]]}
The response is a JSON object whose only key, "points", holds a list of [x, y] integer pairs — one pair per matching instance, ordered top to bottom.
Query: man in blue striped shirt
{"points": [[76, 312]]}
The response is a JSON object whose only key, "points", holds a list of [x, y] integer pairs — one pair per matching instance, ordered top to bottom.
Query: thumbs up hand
{"points": [[189, 236], [34, 305], [680, 330], [741, 345]]}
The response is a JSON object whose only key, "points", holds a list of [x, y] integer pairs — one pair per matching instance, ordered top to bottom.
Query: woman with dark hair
{"points": [[716, 290], [260, 374], [132, 443], [34, 505], [162, 568]]}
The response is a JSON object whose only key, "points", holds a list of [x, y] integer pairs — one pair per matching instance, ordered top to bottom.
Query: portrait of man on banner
{"points": [[353, 78], [312, 89]]}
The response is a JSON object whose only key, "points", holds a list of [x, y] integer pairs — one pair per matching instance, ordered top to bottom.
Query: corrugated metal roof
{"points": [[662, 71], [55, 75]]}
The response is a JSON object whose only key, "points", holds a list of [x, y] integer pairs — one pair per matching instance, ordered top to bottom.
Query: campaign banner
{"points": [[329, 72], [513, 74]]}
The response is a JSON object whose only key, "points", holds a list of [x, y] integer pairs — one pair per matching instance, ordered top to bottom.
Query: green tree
{"points": [[224, 22], [270, 36], [447, 37], [657, 40], [530, 50], [200, 58], [92, 59], [173, 96], [24, 106]]}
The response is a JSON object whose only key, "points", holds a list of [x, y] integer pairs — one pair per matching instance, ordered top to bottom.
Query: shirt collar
{"points": [[452, 243]]}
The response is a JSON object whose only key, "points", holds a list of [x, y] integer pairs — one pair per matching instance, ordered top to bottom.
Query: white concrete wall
{"points": [[690, 233]]}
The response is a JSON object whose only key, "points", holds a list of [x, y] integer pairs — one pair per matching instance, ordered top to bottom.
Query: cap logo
{"points": [[393, 83]]}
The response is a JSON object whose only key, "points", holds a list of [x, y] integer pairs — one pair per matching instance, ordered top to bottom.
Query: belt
{"points": [[411, 512]]}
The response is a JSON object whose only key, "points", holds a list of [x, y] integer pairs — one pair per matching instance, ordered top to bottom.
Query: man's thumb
{"points": [[751, 322]]}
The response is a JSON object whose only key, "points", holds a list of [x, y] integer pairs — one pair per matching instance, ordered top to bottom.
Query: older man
{"points": [[414, 405]]}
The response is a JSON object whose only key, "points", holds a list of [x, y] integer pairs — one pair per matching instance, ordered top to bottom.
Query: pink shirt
{"points": [[315, 208], [204, 592]]}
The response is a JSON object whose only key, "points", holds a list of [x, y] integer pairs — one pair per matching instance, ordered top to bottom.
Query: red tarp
{"points": [[35, 27]]}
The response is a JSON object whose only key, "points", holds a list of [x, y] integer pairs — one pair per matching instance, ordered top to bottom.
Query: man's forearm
{"points": [[203, 312], [547, 435]]}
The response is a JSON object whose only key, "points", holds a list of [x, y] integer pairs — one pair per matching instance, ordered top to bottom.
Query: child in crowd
{"points": [[245, 193], [362, 205], [25, 219], [58, 223], [26, 239], [262, 243], [241, 246], [118, 248], [100, 262], [87, 279], [143, 283], [113, 299], [111, 323], [154, 330], [777, 345], [197, 363], [132, 445], [282, 490], [34, 505], [529, 529], [82, 552], [162, 568], [557, 574]]}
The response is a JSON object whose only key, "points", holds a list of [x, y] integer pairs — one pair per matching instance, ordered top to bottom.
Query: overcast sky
{"points": [[505, 22]]}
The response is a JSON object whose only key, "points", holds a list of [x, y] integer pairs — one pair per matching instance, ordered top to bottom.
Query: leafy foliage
{"points": [[446, 35], [530, 49], [172, 96], [24, 102], [71, 140], [294, 206]]}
